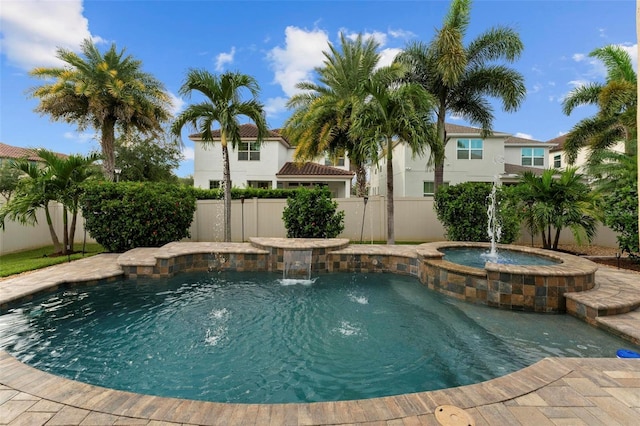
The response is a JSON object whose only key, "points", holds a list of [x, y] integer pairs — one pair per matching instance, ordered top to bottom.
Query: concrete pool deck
{"points": [[554, 391]]}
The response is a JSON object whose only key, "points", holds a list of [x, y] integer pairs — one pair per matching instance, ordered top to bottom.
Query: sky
{"points": [[281, 42]]}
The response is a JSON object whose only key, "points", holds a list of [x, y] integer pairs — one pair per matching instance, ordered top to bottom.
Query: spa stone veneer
{"points": [[526, 288], [537, 288]]}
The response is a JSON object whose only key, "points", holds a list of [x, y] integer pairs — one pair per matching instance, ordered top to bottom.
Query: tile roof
{"points": [[456, 128], [523, 141], [559, 142], [15, 152], [311, 169], [515, 169]]}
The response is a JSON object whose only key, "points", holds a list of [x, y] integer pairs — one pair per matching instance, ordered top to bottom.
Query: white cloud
{"points": [[32, 30], [401, 34], [379, 37], [387, 56], [579, 57], [225, 58], [295, 62], [578, 83], [535, 89], [177, 104], [274, 106], [454, 117], [523, 135], [83, 137], [188, 153]]}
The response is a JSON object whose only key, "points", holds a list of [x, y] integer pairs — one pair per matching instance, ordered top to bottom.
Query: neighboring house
{"points": [[8, 153], [468, 158], [558, 158], [266, 165]]}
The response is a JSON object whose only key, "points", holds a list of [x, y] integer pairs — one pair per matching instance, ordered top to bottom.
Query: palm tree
{"points": [[461, 78], [102, 92], [616, 100], [223, 105], [323, 112], [392, 112], [58, 179], [557, 200]]}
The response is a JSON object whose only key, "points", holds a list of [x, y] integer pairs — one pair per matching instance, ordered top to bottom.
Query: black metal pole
{"points": [[242, 204], [364, 211]]}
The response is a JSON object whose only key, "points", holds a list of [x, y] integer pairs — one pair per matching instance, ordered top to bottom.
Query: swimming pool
{"points": [[245, 337]]}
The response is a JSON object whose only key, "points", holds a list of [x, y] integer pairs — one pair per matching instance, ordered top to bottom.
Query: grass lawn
{"points": [[29, 260]]}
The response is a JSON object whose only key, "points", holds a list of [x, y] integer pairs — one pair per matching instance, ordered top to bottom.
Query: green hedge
{"points": [[238, 193], [462, 209], [312, 214], [125, 215]]}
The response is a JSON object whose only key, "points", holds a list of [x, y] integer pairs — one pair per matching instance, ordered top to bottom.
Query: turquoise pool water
{"points": [[477, 257], [246, 337]]}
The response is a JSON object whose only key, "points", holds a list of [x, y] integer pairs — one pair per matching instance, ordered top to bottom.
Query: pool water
{"points": [[477, 257], [247, 337]]}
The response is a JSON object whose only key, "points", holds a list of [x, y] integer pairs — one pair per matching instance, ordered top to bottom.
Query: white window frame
{"points": [[470, 149], [249, 151], [528, 157], [557, 161], [426, 193]]}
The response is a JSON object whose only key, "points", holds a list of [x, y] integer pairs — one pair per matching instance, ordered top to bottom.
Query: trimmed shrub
{"points": [[237, 193], [462, 209], [310, 213], [621, 215], [122, 216]]}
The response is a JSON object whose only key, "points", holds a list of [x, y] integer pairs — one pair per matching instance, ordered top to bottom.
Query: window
{"points": [[469, 149], [248, 151], [533, 157], [557, 161], [336, 162], [214, 184], [259, 184], [428, 188]]}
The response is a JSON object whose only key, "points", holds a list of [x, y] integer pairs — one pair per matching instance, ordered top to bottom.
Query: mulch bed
{"points": [[622, 263]]}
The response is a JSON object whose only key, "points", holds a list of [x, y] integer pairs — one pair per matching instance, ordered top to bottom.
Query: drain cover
{"points": [[450, 415]]}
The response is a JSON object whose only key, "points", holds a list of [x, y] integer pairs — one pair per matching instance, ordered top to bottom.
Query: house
{"points": [[9, 152], [499, 157], [558, 158], [266, 165]]}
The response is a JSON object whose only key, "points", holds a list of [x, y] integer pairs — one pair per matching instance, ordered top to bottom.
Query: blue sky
{"points": [[280, 42]]}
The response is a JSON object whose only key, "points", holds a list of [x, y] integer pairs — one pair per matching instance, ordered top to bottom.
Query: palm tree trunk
{"points": [[107, 142], [438, 156], [361, 180], [227, 189], [65, 230], [72, 230], [52, 231], [391, 236], [557, 239]]}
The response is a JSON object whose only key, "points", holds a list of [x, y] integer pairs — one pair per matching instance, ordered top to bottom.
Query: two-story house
{"points": [[469, 157], [558, 158], [266, 165]]}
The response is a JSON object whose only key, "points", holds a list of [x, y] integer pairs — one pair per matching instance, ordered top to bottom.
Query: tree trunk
{"points": [[107, 142], [438, 151], [361, 180], [227, 188], [65, 230], [72, 230], [391, 236], [54, 237], [557, 239]]}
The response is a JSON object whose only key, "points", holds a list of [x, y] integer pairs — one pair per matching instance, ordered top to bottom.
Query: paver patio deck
{"points": [[554, 391]]}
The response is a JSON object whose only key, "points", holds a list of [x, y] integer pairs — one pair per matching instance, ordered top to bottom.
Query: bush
{"points": [[237, 193], [462, 209], [310, 213], [126, 215], [621, 215]]}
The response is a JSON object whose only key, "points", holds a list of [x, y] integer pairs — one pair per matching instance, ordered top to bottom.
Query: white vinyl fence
{"points": [[415, 220]]}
